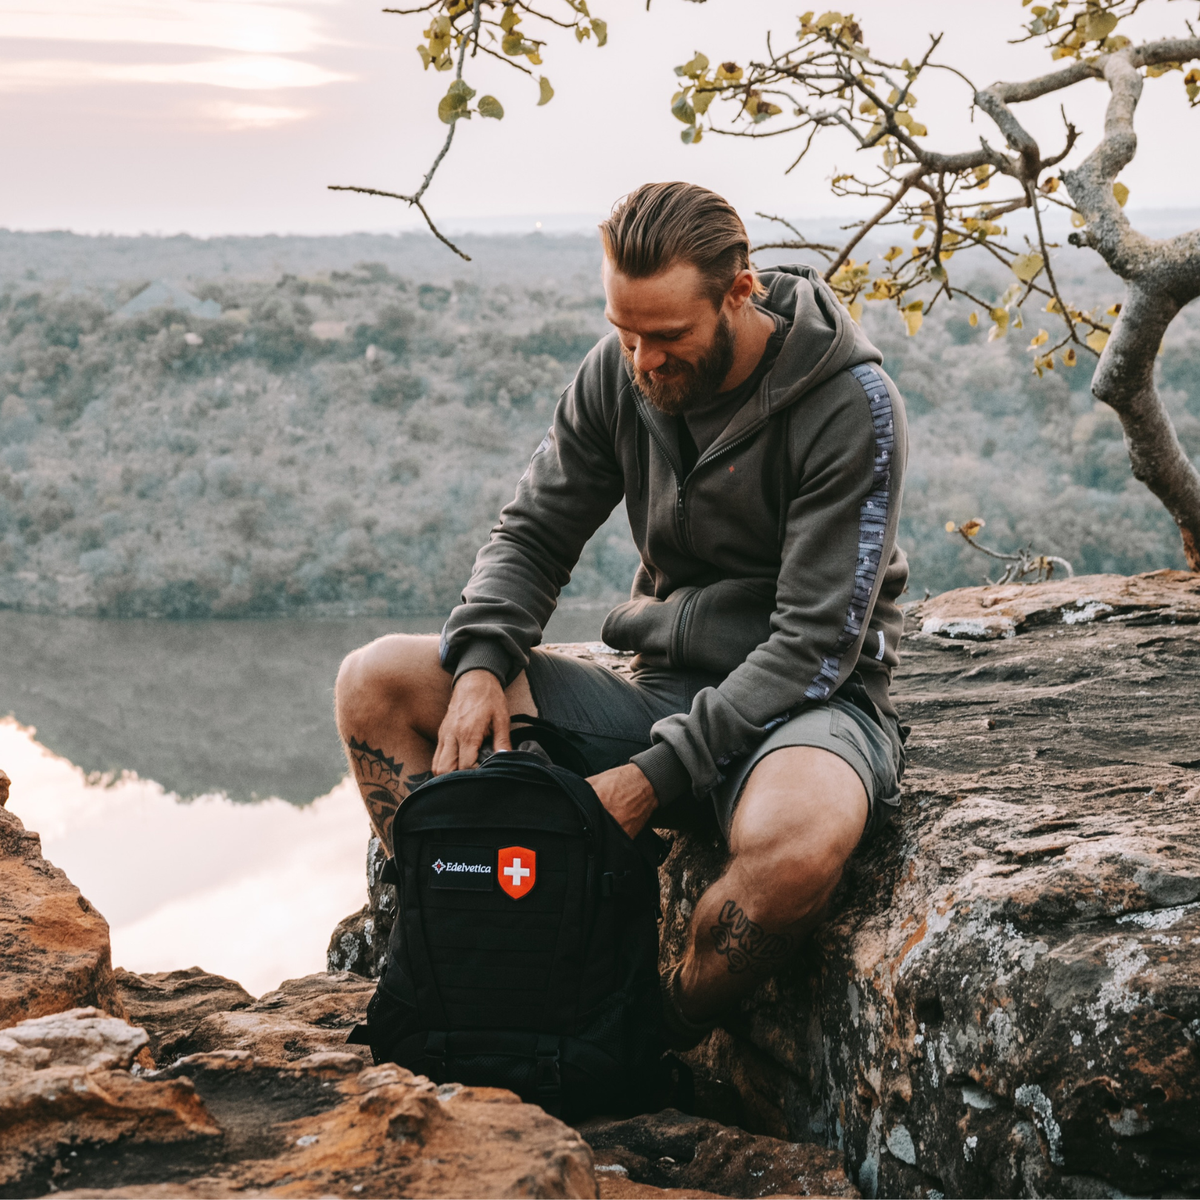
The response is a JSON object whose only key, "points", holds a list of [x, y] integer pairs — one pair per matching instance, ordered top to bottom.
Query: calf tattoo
{"points": [[383, 785], [744, 943]]}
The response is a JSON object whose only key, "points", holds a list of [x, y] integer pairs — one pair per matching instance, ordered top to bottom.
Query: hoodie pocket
{"points": [[727, 622], [652, 627], [711, 629]]}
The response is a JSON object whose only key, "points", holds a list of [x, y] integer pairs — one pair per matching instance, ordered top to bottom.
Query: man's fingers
{"points": [[501, 729], [468, 750], [445, 759]]}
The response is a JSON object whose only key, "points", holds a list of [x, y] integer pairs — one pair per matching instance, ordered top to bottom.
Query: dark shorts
{"points": [[611, 715]]}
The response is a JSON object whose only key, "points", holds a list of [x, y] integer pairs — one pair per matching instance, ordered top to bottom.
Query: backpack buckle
{"points": [[613, 883], [547, 1072]]}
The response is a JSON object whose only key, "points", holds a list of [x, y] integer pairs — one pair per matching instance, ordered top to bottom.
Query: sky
{"points": [[232, 116]]}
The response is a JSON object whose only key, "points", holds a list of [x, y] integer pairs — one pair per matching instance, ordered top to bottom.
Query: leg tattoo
{"points": [[383, 786], [745, 944]]}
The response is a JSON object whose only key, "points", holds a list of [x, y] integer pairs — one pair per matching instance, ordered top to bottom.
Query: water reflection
{"points": [[238, 707], [251, 891]]}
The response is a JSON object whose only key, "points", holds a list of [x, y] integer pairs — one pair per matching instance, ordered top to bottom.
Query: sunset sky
{"points": [[231, 116]]}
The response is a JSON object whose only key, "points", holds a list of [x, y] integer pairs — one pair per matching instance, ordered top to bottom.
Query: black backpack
{"points": [[524, 954]]}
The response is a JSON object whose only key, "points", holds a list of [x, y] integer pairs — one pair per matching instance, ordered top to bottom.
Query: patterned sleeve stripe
{"points": [[872, 523]]}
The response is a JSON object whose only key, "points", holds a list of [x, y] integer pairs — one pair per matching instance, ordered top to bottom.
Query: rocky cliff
{"points": [[1007, 999], [1005, 1002]]}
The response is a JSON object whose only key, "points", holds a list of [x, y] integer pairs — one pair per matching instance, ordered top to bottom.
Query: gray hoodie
{"points": [[773, 563]]}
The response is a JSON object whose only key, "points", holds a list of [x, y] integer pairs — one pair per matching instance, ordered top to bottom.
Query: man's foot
{"points": [[680, 1033]]}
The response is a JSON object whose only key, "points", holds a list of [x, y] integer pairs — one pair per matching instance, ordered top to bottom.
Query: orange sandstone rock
{"points": [[53, 944]]}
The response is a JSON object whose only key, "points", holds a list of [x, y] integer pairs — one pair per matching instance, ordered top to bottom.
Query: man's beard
{"points": [[688, 385]]}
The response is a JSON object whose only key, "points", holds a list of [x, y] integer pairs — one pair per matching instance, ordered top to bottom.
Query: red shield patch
{"points": [[517, 871]]}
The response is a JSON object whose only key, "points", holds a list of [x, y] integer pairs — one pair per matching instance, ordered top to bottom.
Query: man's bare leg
{"points": [[390, 700], [799, 819]]}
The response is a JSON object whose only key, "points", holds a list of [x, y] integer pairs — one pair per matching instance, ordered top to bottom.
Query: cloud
{"points": [[250, 27], [245, 73], [253, 116]]}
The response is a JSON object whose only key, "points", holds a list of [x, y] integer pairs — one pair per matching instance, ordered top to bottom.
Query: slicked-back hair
{"points": [[661, 224]]}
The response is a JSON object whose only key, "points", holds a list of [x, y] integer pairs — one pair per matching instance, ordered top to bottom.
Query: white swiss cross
{"points": [[516, 872]]}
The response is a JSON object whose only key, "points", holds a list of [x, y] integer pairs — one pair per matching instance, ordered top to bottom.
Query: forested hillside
{"points": [[341, 440]]}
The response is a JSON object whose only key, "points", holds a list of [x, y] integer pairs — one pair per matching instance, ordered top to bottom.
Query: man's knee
{"points": [[382, 678], [794, 829]]}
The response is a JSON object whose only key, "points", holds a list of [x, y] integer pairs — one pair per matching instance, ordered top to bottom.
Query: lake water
{"points": [[188, 779]]}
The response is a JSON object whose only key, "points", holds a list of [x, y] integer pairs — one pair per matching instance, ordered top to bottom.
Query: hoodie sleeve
{"points": [[572, 483], [839, 538]]}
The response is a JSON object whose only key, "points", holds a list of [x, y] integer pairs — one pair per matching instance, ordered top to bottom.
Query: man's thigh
{"points": [[403, 673], [607, 715], [843, 731], [802, 807]]}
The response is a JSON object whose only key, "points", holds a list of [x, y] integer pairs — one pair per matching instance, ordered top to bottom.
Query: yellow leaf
{"points": [[509, 18], [1098, 25], [600, 29], [514, 44], [694, 67], [729, 72], [545, 91], [702, 97], [453, 104], [489, 106], [682, 109], [982, 175], [1051, 184], [1120, 193], [1078, 220], [893, 254], [1026, 267], [1052, 306], [855, 309], [1113, 310], [914, 316], [973, 320], [1000, 328], [1040, 338], [1097, 339], [1070, 358], [973, 526], [951, 527]]}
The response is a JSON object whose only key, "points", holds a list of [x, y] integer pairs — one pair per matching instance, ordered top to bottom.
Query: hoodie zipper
{"points": [[681, 482], [680, 521]]}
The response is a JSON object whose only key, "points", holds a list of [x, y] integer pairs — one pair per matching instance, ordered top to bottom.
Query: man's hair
{"points": [[661, 224]]}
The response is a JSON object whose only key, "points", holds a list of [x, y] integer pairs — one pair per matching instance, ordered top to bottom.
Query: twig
{"points": [[415, 199], [437, 233]]}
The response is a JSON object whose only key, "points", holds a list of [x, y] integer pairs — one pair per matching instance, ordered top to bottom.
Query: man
{"points": [[759, 450]]}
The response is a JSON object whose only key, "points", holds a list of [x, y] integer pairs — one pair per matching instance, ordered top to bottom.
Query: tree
{"points": [[826, 82]]}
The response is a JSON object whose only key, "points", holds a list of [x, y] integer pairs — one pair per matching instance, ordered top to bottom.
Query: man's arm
{"points": [[571, 486]]}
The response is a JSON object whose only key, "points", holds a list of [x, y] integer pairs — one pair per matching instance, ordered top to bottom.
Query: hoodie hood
{"points": [[823, 340]]}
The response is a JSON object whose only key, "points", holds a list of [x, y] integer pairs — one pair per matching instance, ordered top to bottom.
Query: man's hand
{"points": [[477, 707], [627, 795]]}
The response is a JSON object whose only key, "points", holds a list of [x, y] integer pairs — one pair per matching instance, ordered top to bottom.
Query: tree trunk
{"points": [[1124, 380]]}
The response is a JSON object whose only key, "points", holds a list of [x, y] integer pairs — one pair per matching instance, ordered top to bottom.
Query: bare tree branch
{"points": [[869, 224]]}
